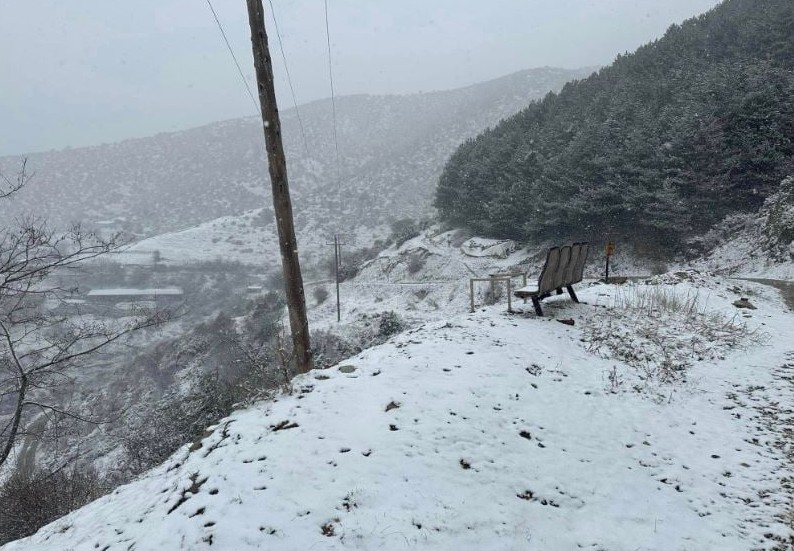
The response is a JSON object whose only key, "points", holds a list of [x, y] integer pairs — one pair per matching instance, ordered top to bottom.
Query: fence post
{"points": [[509, 292], [471, 293]]}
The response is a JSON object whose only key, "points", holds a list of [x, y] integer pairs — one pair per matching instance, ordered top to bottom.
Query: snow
{"points": [[230, 238], [478, 247], [743, 255], [528, 289], [165, 291], [486, 430]]}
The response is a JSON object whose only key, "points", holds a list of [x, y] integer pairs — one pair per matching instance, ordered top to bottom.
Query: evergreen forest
{"points": [[653, 149]]}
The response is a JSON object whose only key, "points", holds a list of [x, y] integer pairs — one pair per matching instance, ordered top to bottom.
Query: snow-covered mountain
{"points": [[391, 151], [495, 431]]}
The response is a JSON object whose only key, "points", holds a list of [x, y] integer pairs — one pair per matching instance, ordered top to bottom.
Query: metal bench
{"points": [[563, 268]]}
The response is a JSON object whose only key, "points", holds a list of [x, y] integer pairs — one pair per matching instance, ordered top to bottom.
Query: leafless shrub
{"points": [[406, 229], [416, 262], [493, 293], [320, 294], [329, 349], [285, 357], [237, 363], [615, 380], [32, 499]]}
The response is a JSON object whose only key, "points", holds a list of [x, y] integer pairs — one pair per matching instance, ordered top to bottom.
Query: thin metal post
{"points": [[471, 293]]}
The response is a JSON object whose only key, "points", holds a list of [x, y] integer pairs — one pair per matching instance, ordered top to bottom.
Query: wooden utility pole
{"points": [[337, 253], [336, 262], [293, 281]]}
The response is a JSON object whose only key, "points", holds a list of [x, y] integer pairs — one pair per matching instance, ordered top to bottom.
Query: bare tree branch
{"points": [[9, 187], [37, 348]]}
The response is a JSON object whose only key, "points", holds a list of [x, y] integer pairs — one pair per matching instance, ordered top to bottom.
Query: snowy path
{"points": [[489, 431]]}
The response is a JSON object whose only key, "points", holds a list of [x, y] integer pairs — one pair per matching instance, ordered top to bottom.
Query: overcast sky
{"points": [[83, 72]]}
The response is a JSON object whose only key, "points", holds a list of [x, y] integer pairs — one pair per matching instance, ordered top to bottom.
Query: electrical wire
{"points": [[229, 46], [289, 79], [333, 98]]}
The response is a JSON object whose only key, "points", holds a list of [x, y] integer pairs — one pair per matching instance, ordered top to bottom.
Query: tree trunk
{"points": [[13, 427]]}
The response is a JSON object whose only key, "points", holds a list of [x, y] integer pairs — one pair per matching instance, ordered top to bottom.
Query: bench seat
{"points": [[526, 292]]}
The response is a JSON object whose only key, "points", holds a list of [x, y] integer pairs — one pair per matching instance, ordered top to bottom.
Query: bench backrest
{"points": [[577, 250], [578, 266], [562, 267], [567, 276], [546, 279]]}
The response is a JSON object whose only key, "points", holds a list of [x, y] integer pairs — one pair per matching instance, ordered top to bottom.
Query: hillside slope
{"points": [[653, 149], [391, 150], [486, 431]]}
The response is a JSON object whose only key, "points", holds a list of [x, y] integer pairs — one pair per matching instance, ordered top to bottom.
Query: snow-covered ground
{"points": [[229, 238], [246, 239], [743, 245], [742, 256], [424, 279], [491, 430]]}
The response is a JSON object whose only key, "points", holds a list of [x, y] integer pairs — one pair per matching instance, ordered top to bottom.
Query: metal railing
{"points": [[493, 279]]}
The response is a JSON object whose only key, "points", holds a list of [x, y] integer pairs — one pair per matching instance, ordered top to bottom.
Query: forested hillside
{"points": [[654, 148], [391, 152]]}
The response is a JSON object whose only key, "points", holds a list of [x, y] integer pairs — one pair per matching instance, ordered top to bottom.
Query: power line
{"points": [[239, 70], [289, 79], [333, 99]]}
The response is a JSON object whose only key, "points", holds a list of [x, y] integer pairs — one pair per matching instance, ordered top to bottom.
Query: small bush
{"points": [[404, 229], [416, 262], [351, 264], [658, 267], [275, 281], [493, 294], [320, 295], [263, 320], [389, 325], [329, 349]]}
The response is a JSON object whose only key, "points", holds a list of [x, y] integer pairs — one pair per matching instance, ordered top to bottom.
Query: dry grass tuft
{"points": [[661, 332]]}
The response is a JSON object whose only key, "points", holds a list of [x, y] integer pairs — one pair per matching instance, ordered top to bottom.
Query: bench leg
{"points": [[559, 291], [573, 295], [536, 304]]}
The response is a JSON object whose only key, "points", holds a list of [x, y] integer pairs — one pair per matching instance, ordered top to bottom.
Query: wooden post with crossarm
{"points": [[288, 245]]}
